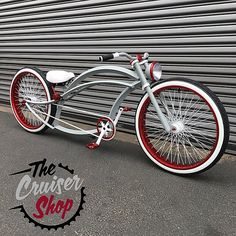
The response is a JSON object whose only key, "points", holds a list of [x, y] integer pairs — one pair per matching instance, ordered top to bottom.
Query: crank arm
{"points": [[97, 144]]}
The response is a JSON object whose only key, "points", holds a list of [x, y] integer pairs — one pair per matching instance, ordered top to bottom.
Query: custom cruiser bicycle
{"points": [[180, 124]]}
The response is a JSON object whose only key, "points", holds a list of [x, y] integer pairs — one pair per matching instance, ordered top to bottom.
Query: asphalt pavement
{"points": [[126, 194]]}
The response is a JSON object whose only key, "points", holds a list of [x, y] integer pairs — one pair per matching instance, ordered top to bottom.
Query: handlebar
{"points": [[115, 55], [106, 57]]}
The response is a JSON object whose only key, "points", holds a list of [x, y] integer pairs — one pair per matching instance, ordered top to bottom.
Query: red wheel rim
{"points": [[20, 92], [162, 157]]}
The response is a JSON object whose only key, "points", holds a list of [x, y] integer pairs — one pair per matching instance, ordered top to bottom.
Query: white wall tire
{"points": [[30, 83], [183, 164]]}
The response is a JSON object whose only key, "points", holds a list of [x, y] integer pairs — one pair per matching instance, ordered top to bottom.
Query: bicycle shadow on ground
{"points": [[112, 149], [222, 173]]}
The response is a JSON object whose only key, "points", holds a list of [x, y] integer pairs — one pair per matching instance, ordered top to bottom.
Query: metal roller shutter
{"points": [[191, 38]]}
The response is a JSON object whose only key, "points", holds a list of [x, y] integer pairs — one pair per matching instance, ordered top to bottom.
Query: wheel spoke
{"points": [[29, 87], [194, 133]]}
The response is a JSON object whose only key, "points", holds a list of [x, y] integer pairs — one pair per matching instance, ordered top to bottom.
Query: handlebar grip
{"points": [[106, 57]]}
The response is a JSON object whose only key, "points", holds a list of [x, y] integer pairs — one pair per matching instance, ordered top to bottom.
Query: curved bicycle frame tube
{"points": [[99, 70], [76, 87]]}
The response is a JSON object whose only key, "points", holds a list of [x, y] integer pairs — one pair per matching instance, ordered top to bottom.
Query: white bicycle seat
{"points": [[59, 76]]}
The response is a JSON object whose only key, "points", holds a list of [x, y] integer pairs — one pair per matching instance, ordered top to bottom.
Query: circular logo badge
{"points": [[51, 195]]}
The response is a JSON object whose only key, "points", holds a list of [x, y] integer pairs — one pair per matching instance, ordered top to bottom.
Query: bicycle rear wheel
{"points": [[30, 84], [200, 127]]}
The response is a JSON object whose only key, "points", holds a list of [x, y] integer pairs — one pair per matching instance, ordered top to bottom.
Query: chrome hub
{"points": [[177, 127]]}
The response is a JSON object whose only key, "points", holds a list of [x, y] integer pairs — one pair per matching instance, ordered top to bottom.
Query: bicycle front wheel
{"points": [[199, 127]]}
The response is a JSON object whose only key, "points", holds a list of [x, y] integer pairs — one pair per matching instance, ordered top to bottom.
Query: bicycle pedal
{"points": [[125, 109], [92, 146]]}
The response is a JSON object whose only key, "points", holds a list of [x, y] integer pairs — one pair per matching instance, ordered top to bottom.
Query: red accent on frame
{"points": [[139, 57], [56, 96], [125, 109]]}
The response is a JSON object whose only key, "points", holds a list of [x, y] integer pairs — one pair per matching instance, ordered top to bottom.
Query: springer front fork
{"points": [[146, 86]]}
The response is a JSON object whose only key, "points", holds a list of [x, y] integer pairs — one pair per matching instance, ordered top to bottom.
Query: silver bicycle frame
{"points": [[76, 87]]}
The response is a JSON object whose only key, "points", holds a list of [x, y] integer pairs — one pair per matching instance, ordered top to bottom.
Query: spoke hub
{"points": [[33, 99], [177, 127]]}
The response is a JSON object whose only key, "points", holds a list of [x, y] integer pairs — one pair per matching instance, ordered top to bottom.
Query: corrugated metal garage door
{"points": [[191, 38]]}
